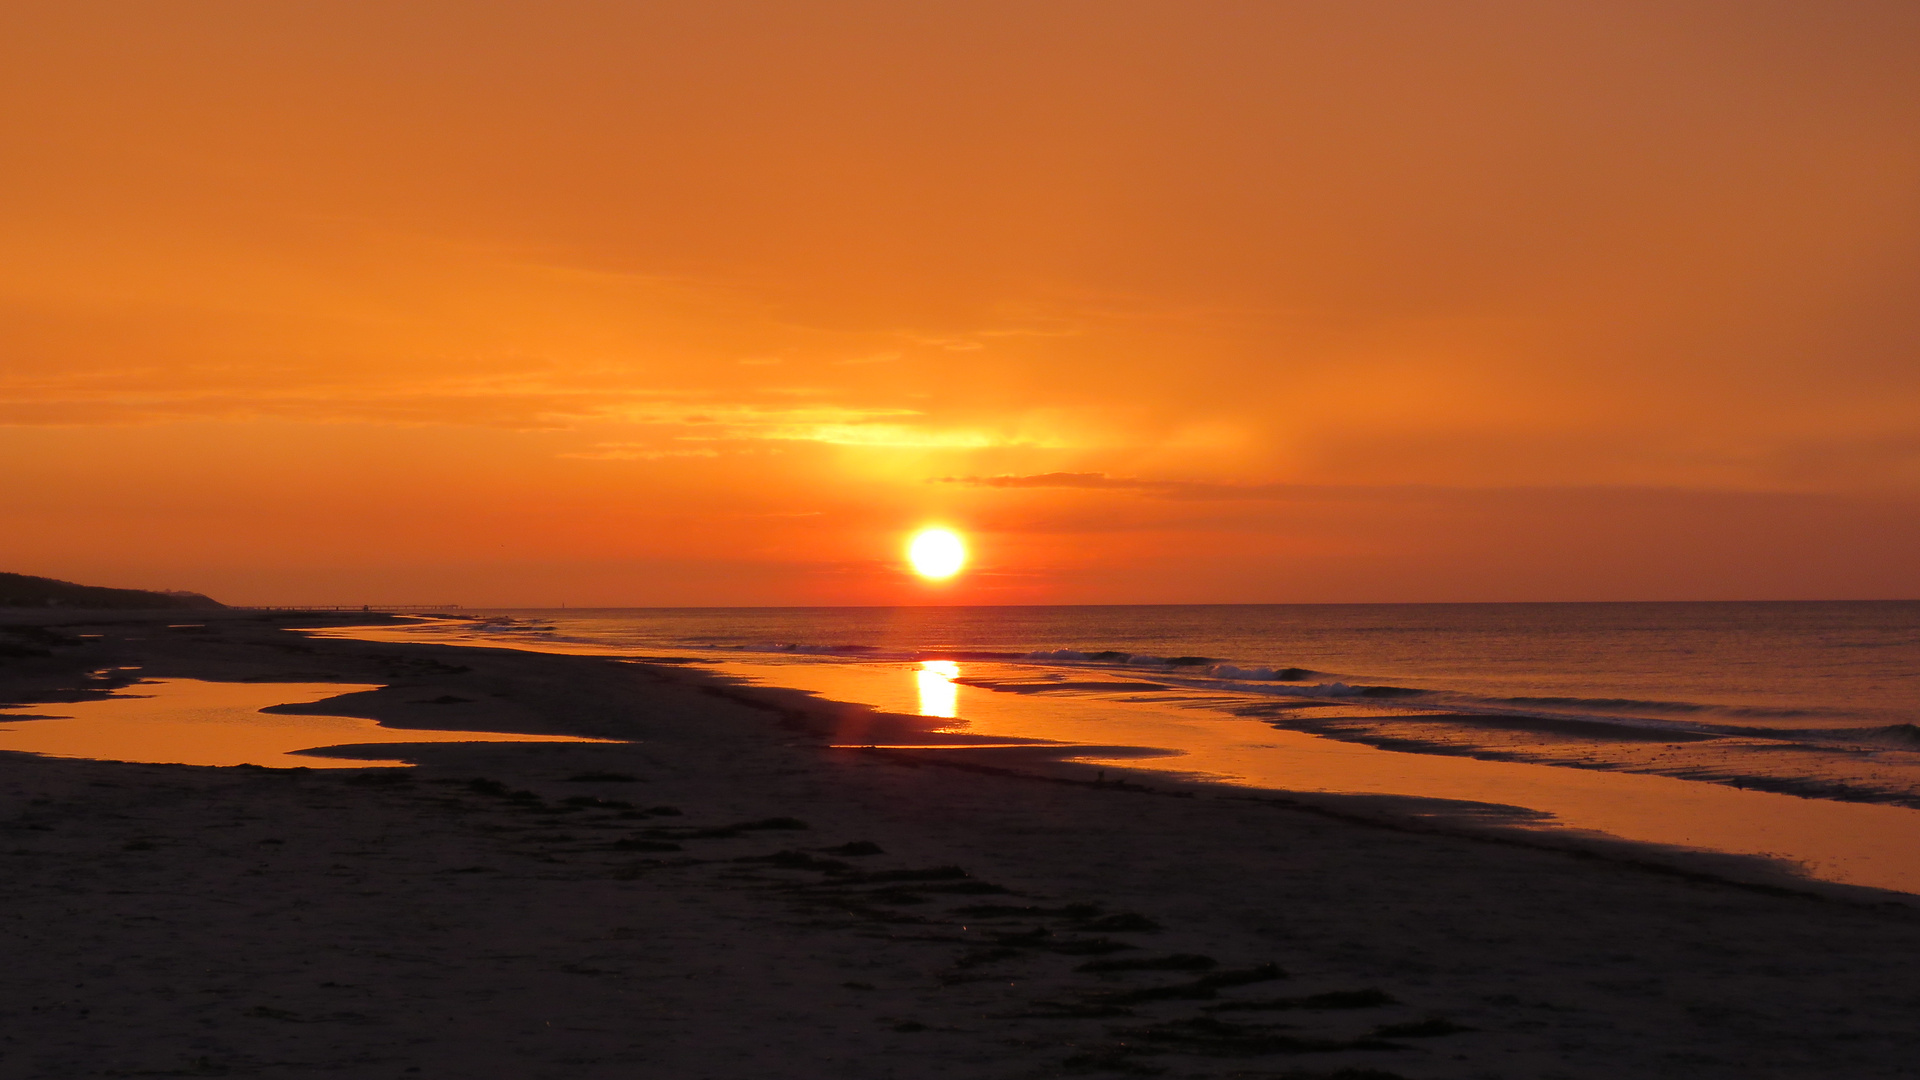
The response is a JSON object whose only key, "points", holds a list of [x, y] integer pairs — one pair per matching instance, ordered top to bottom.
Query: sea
{"points": [[1849, 664], [1786, 732]]}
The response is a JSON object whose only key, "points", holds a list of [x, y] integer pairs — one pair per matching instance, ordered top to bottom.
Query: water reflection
{"points": [[938, 695], [194, 722], [1854, 843]]}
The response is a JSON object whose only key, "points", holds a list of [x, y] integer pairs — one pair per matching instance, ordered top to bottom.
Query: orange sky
{"points": [[710, 303]]}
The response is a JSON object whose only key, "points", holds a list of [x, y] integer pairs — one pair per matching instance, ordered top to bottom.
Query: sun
{"points": [[936, 553]]}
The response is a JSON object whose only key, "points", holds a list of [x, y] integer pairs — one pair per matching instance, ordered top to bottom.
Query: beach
{"points": [[734, 887]]}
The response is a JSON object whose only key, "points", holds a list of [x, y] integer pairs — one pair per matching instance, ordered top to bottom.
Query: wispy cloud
{"points": [[160, 395], [513, 401], [663, 419], [834, 425], [883, 435], [616, 451], [1048, 480], [1172, 489], [1399, 494]]}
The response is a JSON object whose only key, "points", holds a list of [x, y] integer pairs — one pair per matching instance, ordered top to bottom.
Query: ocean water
{"points": [[1818, 665], [1781, 732]]}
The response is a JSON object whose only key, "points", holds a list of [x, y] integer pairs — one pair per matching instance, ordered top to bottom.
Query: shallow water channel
{"points": [[195, 722], [1190, 734], [1851, 843]]}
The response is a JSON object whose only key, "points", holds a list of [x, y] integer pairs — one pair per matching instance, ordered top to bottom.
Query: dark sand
{"points": [[1017, 920]]}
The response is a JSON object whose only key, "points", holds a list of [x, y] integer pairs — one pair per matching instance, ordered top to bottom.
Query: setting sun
{"points": [[1417, 408], [936, 553]]}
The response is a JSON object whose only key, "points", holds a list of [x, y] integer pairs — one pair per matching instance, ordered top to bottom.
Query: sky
{"points": [[714, 303]]}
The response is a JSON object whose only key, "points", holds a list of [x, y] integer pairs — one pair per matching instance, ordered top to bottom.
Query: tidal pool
{"points": [[194, 722], [1191, 733], [1848, 842]]}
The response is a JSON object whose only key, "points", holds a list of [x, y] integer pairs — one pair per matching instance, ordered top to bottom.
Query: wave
{"points": [[817, 650], [964, 654], [1113, 656], [1217, 670], [1197, 672], [1200, 672], [1231, 673], [1262, 674], [1300, 682], [1605, 703], [1751, 712], [1559, 713], [1904, 734], [1894, 736]]}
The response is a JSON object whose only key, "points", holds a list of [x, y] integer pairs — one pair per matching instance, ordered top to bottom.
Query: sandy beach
{"points": [[720, 893]]}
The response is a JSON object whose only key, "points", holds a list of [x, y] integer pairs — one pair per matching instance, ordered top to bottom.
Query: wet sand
{"points": [[1383, 751], [724, 895]]}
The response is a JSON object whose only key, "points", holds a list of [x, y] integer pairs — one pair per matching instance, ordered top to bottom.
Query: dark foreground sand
{"points": [[495, 913]]}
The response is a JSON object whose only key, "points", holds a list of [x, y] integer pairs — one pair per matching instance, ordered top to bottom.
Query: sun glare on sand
{"points": [[936, 553]]}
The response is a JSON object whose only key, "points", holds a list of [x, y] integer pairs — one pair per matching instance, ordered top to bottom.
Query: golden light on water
{"points": [[936, 553], [938, 695]]}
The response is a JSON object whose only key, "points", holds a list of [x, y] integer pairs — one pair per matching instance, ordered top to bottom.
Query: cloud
{"points": [[163, 395], [511, 401], [831, 424], [882, 435], [613, 451], [1049, 480], [1172, 489], [1574, 498]]}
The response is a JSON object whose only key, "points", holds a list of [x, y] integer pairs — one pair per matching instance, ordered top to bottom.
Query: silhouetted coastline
{"points": [[24, 590]]}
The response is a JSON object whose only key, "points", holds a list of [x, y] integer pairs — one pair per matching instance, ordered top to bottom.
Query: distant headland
{"points": [[22, 590]]}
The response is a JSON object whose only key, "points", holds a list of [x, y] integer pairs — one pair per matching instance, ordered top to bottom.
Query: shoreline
{"points": [[1876, 766], [1495, 823], [1753, 834], [744, 951]]}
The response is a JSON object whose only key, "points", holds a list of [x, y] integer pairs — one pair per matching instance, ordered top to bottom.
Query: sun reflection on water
{"points": [[938, 695]]}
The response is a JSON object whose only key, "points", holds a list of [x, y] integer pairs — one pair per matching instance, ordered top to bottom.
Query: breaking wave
{"points": [[1228, 666], [1606, 703]]}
